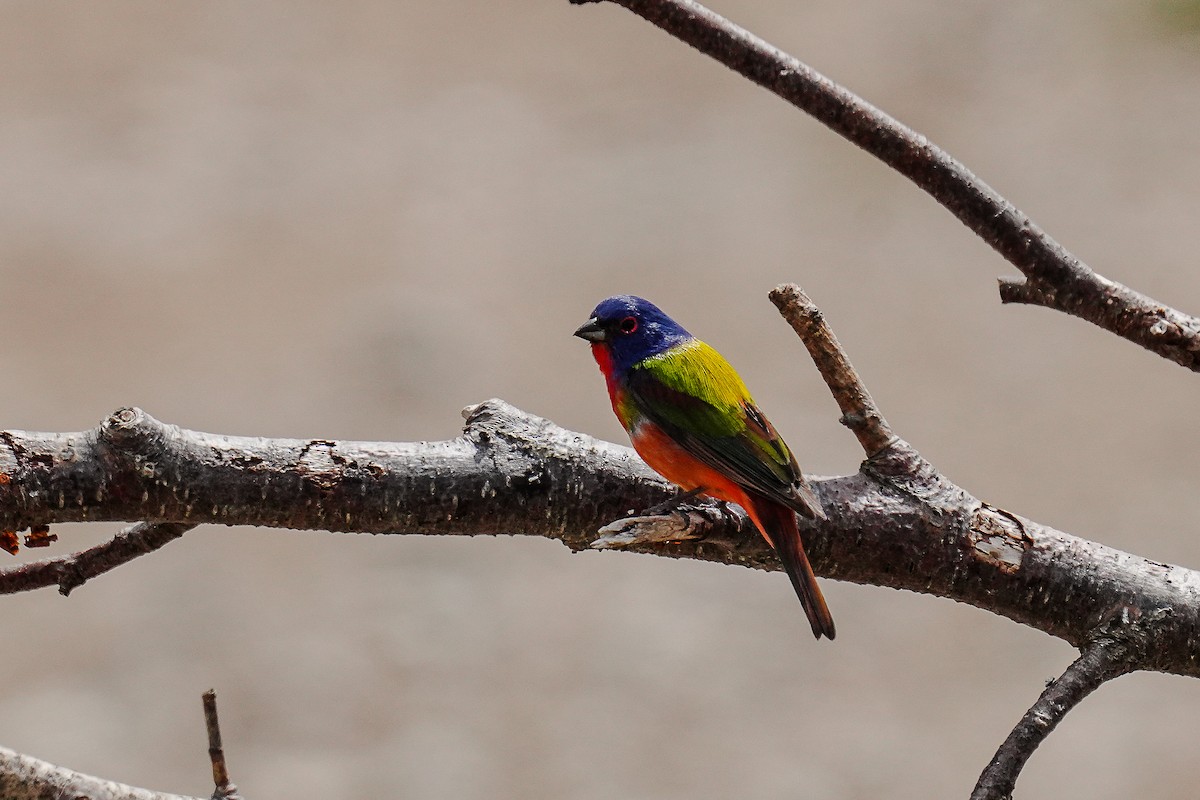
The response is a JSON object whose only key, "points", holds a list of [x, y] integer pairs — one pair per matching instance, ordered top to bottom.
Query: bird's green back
{"points": [[693, 391], [706, 393]]}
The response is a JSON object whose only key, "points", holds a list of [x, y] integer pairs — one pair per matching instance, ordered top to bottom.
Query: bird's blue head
{"points": [[631, 329]]}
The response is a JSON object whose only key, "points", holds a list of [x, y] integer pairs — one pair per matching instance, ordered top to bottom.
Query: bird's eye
{"points": [[629, 325]]}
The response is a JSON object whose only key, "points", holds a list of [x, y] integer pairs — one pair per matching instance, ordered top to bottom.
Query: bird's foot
{"points": [[673, 503]]}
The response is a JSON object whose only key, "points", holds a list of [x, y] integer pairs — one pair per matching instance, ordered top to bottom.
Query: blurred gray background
{"points": [[350, 220]]}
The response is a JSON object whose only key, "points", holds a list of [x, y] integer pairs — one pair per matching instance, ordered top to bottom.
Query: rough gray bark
{"points": [[510, 472], [897, 522], [25, 778]]}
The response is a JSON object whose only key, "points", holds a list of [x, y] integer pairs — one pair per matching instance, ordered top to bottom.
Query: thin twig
{"points": [[1054, 277], [859, 412], [72, 571], [1118, 651], [225, 790]]}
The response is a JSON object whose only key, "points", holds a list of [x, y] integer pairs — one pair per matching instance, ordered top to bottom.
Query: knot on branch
{"points": [[1027, 291], [495, 420], [862, 423], [129, 427], [131, 435], [508, 437], [149, 450]]}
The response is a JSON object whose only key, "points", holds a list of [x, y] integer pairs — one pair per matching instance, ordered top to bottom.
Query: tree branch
{"points": [[1054, 277], [859, 412], [898, 522], [71, 572], [1114, 652], [26, 778], [224, 789]]}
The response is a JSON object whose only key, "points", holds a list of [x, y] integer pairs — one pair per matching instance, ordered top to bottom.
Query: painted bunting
{"points": [[692, 420]]}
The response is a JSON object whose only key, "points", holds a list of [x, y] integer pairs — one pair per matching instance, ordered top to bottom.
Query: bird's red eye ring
{"points": [[629, 325]]}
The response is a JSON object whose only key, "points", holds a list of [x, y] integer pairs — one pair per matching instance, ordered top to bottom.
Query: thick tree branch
{"points": [[1054, 277], [897, 522]]}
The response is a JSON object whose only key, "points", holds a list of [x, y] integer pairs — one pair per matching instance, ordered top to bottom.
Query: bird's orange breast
{"points": [[680, 467]]}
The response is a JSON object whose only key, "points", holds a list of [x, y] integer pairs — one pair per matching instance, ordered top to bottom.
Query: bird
{"points": [[692, 420]]}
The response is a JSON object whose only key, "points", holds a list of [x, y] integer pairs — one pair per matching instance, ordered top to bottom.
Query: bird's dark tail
{"points": [[778, 524]]}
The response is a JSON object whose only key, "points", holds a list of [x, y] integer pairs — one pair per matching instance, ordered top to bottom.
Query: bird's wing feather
{"points": [[697, 398]]}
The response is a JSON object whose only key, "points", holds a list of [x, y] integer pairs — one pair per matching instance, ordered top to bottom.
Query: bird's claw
{"points": [[673, 503]]}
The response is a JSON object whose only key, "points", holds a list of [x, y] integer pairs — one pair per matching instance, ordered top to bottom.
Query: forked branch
{"points": [[898, 522], [1116, 650]]}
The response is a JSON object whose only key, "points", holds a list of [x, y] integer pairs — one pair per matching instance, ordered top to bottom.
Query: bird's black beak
{"points": [[591, 331]]}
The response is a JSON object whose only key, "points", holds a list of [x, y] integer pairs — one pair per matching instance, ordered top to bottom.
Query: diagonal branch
{"points": [[1054, 277], [859, 412], [71, 572], [1117, 650]]}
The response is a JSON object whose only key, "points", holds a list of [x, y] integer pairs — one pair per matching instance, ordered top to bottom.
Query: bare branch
{"points": [[1055, 278], [859, 412], [897, 523], [70, 572], [1116, 651], [26, 778], [224, 788]]}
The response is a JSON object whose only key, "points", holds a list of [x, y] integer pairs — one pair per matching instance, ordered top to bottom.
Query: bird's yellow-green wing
{"points": [[696, 397]]}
